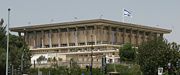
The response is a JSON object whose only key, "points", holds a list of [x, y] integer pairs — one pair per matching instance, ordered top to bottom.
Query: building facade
{"points": [[86, 39]]}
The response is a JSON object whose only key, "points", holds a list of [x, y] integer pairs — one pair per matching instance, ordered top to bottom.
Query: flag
{"points": [[127, 13]]}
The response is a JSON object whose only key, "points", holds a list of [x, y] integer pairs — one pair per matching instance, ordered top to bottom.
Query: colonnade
{"points": [[87, 35]]}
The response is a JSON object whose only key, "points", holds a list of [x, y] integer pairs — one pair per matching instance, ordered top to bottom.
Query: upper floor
{"points": [[87, 32]]}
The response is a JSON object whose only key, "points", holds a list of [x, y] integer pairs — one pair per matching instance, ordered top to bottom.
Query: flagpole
{"points": [[123, 15], [7, 41]]}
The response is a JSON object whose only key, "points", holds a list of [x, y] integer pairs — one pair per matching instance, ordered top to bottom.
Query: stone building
{"points": [[79, 39]]}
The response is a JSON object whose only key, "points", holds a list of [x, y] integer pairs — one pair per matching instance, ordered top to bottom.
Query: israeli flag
{"points": [[127, 13]]}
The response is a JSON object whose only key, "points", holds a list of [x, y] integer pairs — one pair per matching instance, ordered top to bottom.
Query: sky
{"points": [[155, 13]]}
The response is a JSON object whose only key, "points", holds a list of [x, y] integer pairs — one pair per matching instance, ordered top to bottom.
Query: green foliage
{"points": [[2, 47], [17, 50], [127, 52], [19, 53], [157, 53], [41, 58], [2, 61], [54, 61], [74, 64], [73, 69], [125, 69], [63, 70], [33, 71]]}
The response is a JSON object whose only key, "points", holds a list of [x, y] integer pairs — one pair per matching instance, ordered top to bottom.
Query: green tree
{"points": [[2, 47], [17, 50], [127, 52], [157, 53], [19, 54], [40, 59], [59, 59], [49, 60], [53, 62], [74, 67], [125, 69]]}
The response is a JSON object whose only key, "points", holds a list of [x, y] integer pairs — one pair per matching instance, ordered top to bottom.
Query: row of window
{"points": [[113, 41]]}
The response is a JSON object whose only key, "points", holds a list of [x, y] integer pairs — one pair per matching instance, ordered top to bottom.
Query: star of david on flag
{"points": [[127, 13]]}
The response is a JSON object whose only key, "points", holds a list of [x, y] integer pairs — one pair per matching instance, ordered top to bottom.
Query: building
{"points": [[75, 40]]}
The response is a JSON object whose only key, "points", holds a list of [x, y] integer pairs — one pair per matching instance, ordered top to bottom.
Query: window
{"points": [[82, 43], [71, 44], [55, 45], [63, 45]]}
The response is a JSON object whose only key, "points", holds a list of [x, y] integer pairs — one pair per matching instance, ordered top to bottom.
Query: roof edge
{"points": [[21, 29]]}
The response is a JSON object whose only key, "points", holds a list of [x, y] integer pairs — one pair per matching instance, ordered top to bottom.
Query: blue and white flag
{"points": [[127, 13]]}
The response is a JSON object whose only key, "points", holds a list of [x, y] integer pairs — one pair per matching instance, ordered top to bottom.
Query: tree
{"points": [[2, 34], [2, 48], [18, 51], [127, 52], [156, 53], [19, 54], [41, 58], [60, 59], [49, 60], [54, 60], [73, 63], [55, 64], [74, 67], [125, 69]]}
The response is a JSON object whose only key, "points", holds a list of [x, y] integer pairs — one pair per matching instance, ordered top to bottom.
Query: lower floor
{"points": [[81, 55], [82, 59]]}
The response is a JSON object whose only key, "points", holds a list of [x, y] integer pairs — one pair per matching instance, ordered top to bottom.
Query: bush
{"points": [[127, 53], [125, 69], [63, 70]]}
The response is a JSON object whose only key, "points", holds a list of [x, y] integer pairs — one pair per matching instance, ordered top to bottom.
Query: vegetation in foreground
{"points": [[17, 50], [158, 53], [122, 69]]}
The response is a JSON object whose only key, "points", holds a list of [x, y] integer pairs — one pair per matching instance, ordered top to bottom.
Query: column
{"points": [[19, 33], [76, 33], [95, 33], [85, 34], [101, 34], [124, 34], [109, 35], [161, 35], [67, 36], [116, 36], [130, 36], [144, 36], [149, 36], [26, 37], [42, 38], [137, 38], [34, 39], [59, 40], [50, 41]]}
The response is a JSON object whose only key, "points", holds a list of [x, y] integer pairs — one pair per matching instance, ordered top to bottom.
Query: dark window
{"points": [[82, 43], [90, 43], [71, 44], [55, 45], [63, 45]]}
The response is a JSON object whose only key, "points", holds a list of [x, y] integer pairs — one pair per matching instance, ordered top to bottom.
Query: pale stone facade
{"points": [[76, 39]]}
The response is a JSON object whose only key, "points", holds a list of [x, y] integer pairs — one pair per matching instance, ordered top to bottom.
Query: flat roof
{"points": [[55, 25]]}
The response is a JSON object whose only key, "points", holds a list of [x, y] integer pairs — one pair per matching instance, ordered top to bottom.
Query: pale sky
{"points": [[156, 13]]}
